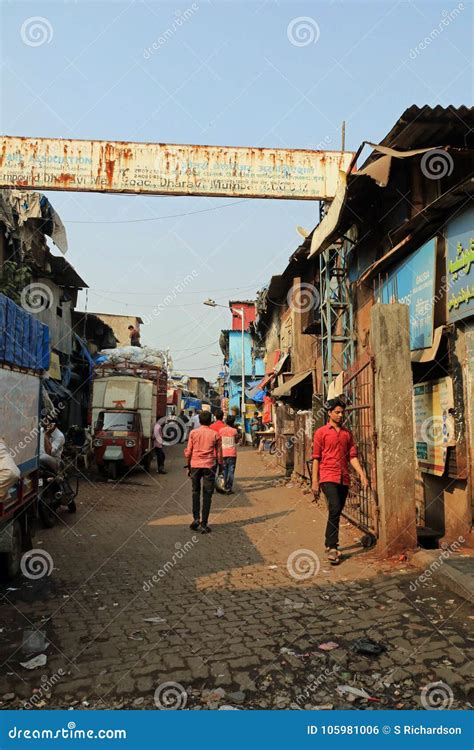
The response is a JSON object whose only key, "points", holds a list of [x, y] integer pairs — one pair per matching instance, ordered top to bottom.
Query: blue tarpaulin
{"points": [[24, 340], [192, 403]]}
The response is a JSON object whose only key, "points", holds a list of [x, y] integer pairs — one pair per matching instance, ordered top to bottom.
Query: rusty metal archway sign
{"points": [[169, 169]]}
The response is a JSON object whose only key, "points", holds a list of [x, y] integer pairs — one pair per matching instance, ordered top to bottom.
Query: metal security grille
{"points": [[361, 505]]}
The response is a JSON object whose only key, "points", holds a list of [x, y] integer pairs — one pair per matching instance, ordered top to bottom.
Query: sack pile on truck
{"points": [[132, 355]]}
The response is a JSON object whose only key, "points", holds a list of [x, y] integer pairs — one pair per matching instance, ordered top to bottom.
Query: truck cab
{"points": [[125, 408], [119, 441]]}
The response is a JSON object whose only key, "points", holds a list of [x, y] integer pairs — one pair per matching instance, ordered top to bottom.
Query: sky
{"points": [[264, 73]]}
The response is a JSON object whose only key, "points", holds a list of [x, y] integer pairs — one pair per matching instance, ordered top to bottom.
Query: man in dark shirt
{"points": [[134, 334], [333, 450]]}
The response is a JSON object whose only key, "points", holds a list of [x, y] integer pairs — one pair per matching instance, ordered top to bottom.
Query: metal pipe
{"points": [[242, 401]]}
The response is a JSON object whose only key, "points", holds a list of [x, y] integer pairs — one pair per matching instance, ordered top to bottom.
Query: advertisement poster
{"points": [[460, 266], [412, 284], [434, 424]]}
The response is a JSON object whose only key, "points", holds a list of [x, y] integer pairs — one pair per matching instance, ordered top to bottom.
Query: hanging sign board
{"points": [[169, 169], [460, 266], [412, 283], [434, 423]]}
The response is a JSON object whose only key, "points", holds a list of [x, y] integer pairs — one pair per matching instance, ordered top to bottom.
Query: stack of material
{"points": [[126, 356]]}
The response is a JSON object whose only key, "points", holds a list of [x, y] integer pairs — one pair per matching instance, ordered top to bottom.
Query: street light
{"points": [[238, 311]]}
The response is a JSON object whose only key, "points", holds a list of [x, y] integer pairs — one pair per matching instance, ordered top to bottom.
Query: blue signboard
{"points": [[460, 266], [412, 283]]}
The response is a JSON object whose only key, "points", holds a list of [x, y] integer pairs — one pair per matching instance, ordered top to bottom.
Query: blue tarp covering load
{"points": [[24, 340], [192, 403]]}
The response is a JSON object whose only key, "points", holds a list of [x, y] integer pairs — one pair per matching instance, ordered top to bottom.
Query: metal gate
{"points": [[361, 506]]}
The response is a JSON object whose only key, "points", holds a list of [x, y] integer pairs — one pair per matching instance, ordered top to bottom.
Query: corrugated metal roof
{"points": [[421, 127]]}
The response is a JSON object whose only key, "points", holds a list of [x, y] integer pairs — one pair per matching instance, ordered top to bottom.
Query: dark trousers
{"points": [[160, 458], [229, 471], [208, 477], [336, 495]]}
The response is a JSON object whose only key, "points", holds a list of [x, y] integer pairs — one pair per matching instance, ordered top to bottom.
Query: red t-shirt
{"points": [[217, 425], [228, 435], [204, 448], [334, 449]]}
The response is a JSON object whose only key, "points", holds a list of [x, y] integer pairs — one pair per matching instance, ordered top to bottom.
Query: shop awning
{"points": [[285, 389]]}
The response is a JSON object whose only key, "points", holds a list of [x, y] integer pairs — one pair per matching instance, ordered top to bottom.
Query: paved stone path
{"points": [[239, 615]]}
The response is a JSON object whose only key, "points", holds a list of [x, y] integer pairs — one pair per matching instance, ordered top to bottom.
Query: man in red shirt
{"points": [[218, 425], [333, 450], [203, 453]]}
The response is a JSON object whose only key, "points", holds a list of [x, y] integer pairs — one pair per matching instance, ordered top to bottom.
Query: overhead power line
{"points": [[155, 218]]}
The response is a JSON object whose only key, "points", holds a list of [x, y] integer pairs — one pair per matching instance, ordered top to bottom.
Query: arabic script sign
{"points": [[170, 169], [460, 266]]}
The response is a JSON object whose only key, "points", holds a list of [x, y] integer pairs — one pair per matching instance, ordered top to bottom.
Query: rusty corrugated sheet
{"points": [[169, 169]]}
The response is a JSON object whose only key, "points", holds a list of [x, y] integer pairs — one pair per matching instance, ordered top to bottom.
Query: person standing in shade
{"points": [[134, 334], [218, 424], [158, 446], [334, 451], [229, 452], [204, 455]]}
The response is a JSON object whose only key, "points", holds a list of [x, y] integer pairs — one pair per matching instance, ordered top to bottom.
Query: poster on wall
{"points": [[460, 266], [412, 283], [434, 424]]}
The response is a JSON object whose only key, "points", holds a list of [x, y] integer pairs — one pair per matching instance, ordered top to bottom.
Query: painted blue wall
{"points": [[235, 356]]}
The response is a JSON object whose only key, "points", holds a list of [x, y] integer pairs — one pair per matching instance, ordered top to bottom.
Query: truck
{"points": [[24, 357], [126, 402]]}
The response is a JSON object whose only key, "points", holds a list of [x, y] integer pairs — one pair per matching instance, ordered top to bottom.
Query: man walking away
{"points": [[134, 334], [218, 424], [255, 426], [158, 445], [333, 450], [229, 453], [203, 454]]}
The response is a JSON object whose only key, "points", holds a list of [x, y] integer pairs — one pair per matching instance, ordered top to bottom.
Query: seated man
{"points": [[51, 446]]}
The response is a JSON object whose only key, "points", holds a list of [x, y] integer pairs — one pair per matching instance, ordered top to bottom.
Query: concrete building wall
{"points": [[58, 317], [119, 325], [272, 339], [303, 349]]}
